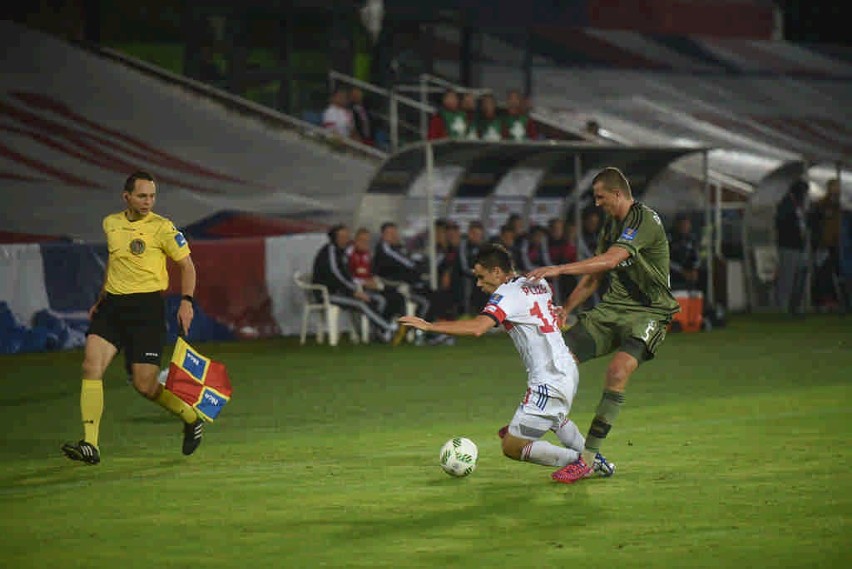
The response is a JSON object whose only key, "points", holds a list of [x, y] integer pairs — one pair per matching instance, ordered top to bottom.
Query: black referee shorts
{"points": [[134, 323]]}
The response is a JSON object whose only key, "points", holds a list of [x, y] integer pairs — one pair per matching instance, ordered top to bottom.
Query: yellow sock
{"points": [[168, 400], [91, 408]]}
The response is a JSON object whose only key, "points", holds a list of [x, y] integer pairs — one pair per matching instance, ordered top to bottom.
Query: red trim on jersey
{"points": [[495, 312]]}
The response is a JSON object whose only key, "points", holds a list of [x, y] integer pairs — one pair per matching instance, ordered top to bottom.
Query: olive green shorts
{"points": [[605, 329]]}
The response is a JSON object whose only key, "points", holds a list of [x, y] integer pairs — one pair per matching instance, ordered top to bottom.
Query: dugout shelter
{"points": [[466, 180]]}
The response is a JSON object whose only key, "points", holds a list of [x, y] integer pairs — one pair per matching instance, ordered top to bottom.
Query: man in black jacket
{"points": [[791, 237], [392, 262], [331, 269]]}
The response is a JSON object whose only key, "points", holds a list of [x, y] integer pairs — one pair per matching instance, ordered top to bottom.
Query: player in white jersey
{"points": [[525, 309]]}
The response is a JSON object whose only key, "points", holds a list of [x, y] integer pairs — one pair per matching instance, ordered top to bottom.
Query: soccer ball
{"points": [[458, 456]]}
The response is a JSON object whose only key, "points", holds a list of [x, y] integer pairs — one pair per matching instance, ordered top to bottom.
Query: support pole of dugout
{"points": [[578, 211], [430, 214], [708, 222]]}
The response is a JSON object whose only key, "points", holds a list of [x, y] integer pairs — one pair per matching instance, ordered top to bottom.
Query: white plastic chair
{"points": [[329, 315]]}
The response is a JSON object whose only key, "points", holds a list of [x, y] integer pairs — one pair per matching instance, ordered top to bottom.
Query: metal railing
{"points": [[240, 104], [396, 111], [407, 118]]}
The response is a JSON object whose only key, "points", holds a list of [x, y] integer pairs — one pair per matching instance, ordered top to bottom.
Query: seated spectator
{"points": [[468, 107], [337, 117], [449, 121], [362, 123], [489, 124], [517, 124], [516, 222], [507, 238], [562, 247], [587, 247], [533, 249], [392, 262], [685, 263], [360, 265], [331, 269], [449, 278], [473, 298]]}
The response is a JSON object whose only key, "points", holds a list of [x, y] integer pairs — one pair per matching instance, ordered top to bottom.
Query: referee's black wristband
{"points": [[189, 298]]}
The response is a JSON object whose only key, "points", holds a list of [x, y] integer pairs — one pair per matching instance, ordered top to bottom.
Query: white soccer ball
{"points": [[458, 456]]}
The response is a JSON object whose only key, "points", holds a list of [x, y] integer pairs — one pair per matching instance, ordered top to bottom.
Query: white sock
{"points": [[570, 436], [547, 454]]}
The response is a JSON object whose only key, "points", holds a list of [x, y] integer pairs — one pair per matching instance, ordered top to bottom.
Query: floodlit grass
{"points": [[732, 451]]}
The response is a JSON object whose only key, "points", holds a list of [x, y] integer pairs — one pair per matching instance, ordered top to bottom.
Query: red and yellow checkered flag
{"points": [[199, 381]]}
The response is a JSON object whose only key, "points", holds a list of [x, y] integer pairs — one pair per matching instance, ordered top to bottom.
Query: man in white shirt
{"points": [[337, 116], [525, 309]]}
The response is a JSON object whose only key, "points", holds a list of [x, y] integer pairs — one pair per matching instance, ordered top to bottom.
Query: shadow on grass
{"points": [[35, 398], [64, 473], [496, 502]]}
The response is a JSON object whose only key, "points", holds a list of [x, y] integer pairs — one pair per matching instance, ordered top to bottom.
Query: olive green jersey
{"points": [[642, 280]]}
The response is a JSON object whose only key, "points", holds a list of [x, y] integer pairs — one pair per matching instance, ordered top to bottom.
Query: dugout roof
{"points": [[484, 164]]}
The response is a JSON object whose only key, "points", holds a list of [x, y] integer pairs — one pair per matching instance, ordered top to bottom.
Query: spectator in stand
{"points": [[468, 106], [337, 117], [449, 121], [489, 124], [518, 125], [363, 130], [791, 233], [562, 247], [360, 264], [474, 299]]}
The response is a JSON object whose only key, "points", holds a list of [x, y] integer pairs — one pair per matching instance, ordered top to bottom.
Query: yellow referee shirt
{"points": [[138, 250]]}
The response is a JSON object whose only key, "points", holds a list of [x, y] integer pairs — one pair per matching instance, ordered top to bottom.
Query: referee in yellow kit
{"points": [[129, 314]]}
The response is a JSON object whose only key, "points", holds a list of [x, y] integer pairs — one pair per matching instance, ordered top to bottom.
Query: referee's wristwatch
{"points": [[188, 297]]}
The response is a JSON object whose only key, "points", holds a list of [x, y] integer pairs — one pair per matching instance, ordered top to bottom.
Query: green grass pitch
{"points": [[733, 450]]}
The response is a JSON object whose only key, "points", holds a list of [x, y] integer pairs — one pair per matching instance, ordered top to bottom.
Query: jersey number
{"points": [[546, 325]]}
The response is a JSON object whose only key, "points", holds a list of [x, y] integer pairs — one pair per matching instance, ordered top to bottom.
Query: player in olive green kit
{"points": [[633, 314]]}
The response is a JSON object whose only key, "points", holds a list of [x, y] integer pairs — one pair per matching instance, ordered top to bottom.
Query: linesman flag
{"points": [[199, 381]]}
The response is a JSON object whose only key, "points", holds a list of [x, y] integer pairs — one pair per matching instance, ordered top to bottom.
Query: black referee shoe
{"points": [[192, 436], [82, 451]]}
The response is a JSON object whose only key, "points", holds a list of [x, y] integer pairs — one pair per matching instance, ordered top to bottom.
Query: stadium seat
{"points": [[329, 321]]}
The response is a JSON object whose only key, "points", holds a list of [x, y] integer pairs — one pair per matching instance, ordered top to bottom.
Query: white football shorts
{"points": [[542, 409]]}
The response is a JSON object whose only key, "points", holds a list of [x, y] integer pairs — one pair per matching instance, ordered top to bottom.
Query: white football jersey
{"points": [[525, 308]]}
